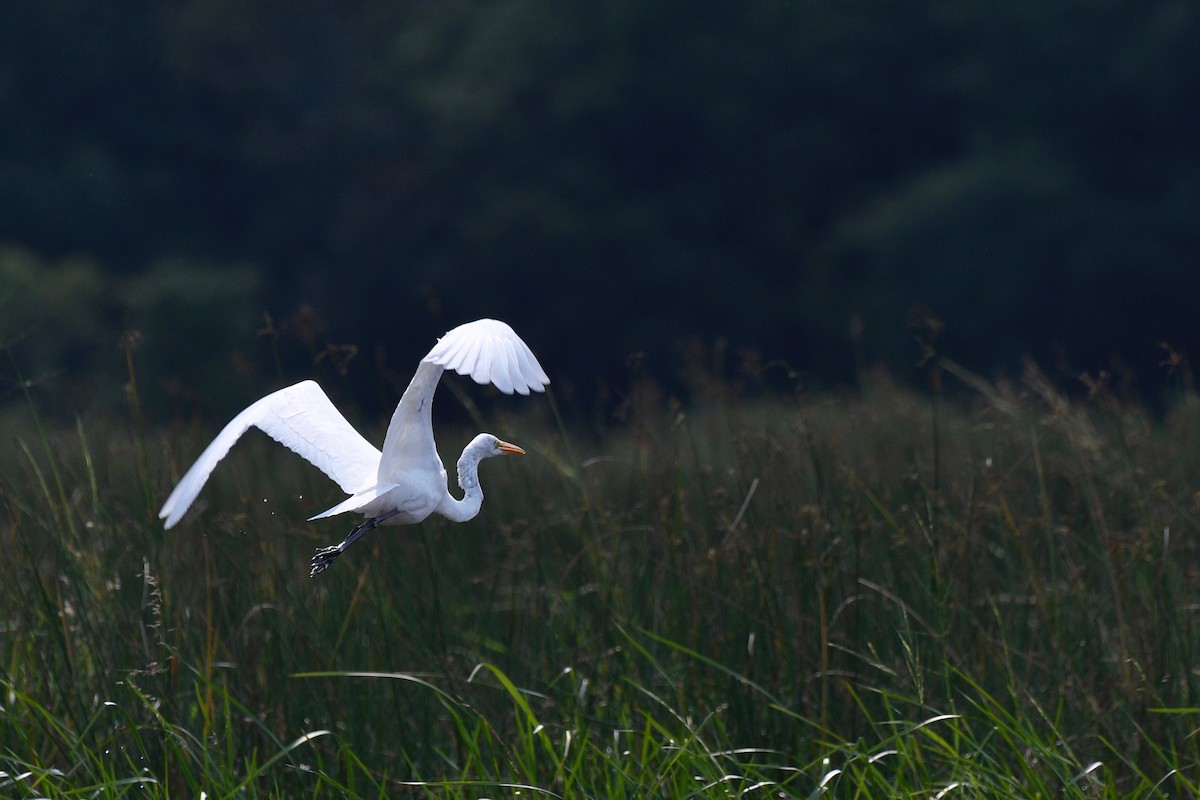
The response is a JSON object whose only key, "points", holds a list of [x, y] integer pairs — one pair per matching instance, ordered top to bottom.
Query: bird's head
{"points": [[488, 445], [482, 446]]}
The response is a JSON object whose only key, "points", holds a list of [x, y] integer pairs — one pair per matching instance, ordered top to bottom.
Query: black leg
{"points": [[325, 555]]}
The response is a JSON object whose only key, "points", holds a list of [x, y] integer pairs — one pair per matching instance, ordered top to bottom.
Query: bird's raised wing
{"points": [[490, 352], [303, 419]]}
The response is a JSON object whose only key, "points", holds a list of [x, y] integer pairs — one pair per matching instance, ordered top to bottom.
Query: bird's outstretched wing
{"points": [[490, 352], [300, 417]]}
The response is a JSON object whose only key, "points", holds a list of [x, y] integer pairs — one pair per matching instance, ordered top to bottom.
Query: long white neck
{"points": [[468, 479]]}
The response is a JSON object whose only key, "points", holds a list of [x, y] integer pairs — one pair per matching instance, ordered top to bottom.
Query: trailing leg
{"points": [[325, 555]]}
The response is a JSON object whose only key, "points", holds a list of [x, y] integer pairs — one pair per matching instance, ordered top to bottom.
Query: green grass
{"points": [[869, 595]]}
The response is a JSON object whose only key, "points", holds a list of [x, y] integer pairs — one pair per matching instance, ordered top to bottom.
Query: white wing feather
{"points": [[486, 350], [490, 352], [303, 419], [409, 442]]}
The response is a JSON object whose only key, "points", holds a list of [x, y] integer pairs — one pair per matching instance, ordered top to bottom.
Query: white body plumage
{"points": [[406, 481]]}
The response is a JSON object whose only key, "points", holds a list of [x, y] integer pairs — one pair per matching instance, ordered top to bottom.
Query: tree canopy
{"points": [[613, 178]]}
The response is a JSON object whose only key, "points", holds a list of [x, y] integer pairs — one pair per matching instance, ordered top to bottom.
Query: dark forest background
{"points": [[247, 193]]}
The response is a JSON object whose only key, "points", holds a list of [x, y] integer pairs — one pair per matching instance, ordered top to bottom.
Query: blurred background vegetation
{"points": [[232, 192], [201, 200]]}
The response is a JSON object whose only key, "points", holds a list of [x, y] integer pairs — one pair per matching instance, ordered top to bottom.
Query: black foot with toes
{"points": [[323, 558]]}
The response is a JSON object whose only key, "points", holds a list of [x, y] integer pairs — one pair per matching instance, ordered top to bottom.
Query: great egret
{"points": [[406, 482]]}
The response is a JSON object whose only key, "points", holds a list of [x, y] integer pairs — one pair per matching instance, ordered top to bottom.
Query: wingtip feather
{"points": [[489, 351]]}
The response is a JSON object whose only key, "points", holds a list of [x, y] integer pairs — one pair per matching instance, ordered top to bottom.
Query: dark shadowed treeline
{"points": [[797, 179]]}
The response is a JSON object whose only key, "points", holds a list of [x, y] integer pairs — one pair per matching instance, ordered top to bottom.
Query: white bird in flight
{"points": [[406, 482]]}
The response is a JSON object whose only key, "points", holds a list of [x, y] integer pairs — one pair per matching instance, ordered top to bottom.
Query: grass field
{"points": [[869, 595]]}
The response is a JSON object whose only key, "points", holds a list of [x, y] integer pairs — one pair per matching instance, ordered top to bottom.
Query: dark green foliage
{"points": [[626, 177]]}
